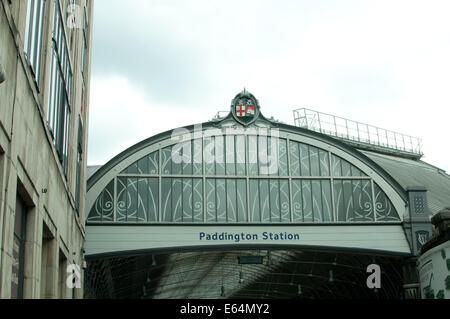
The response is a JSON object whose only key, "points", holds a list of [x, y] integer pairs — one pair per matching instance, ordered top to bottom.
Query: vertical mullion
{"points": [[246, 150], [204, 178], [310, 182], [159, 184], [332, 189], [137, 198], [279, 199], [291, 199], [373, 200]]}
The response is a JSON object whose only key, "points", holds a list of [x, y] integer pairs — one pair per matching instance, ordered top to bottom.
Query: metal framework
{"points": [[359, 134], [311, 184]]}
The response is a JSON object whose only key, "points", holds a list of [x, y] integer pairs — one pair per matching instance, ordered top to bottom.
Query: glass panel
{"points": [[220, 155], [230, 155], [240, 155], [252, 155], [210, 156], [273, 156], [198, 157], [187, 158], [294, 158], [177, 159], [263, 159], [282, 159], [304, 160], [314, 160], [166, 161], [153, 163], [324, 163], [142, 166], [335, 166], [346, 168], [356, 171], [362, 196], [132, 198], [122, 199], [127, 199], [143, 199], [166, 199], [153, 200], [177, 200], [187, 200], [198, 200], [211, 200], [221, 200], [241, 200], [264, 200], [297, 200], [339, 200], [348, 200], [231, 201], [307, 201], [317, 201], [326, 201], [383, 205], [285, 206], [103, 208], [255, 212], [275, 215]]}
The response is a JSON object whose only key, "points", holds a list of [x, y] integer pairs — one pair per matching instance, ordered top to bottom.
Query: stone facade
{"points": [[32, 175]]}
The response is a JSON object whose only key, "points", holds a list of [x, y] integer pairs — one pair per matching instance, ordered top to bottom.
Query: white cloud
{"points": [[179, 62]]}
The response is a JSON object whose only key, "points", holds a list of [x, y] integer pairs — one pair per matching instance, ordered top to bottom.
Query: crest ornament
{"points": [[245, 108]]}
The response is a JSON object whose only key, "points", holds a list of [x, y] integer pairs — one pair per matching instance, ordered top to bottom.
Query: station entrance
{"points": [[244, 274]]}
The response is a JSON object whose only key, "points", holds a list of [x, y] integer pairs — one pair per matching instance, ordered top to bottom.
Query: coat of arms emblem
{"points": [[245, 108]]}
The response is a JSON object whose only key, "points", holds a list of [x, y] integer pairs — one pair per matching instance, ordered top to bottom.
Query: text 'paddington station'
{"points": [[237, 237]]}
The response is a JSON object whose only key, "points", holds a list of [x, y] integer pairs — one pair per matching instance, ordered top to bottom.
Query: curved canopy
{"points": [[228, 172]]}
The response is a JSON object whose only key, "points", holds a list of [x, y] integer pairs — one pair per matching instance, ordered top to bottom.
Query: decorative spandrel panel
{"points": [[242, 179]]}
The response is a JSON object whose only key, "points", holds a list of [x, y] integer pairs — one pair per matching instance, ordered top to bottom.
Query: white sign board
{"points": [[434, 272]]}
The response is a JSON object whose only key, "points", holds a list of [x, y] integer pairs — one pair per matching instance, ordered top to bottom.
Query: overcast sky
{"points": [[158, 65]]}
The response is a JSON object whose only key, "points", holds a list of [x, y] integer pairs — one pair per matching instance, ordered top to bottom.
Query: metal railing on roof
{"points": [[358, 133]]}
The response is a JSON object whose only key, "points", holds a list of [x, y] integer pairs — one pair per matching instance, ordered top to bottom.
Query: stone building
{"points": [[45, 49]]}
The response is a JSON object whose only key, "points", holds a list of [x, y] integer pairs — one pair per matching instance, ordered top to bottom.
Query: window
{"points": [[33, 35], [84, 48], [58, 115], [79, 160], [305, 184], [17, 277]]}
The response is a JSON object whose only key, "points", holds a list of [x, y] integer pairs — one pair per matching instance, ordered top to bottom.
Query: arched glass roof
{"points": [[232, 172]]}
